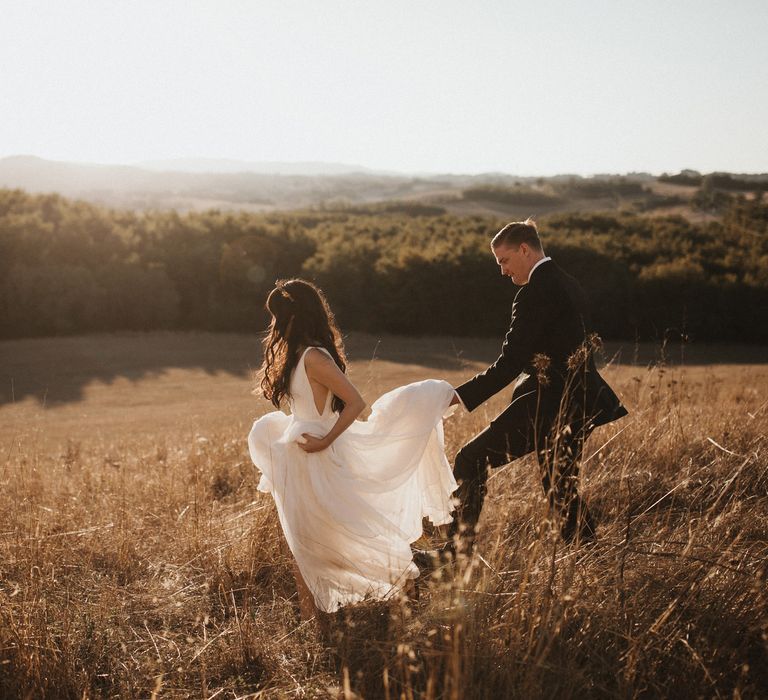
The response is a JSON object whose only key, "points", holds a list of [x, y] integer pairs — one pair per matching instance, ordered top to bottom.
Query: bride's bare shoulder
{"points": [[317, 358]]}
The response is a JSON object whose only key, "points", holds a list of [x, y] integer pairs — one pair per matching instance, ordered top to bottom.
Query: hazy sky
{"points": [[532, 87]]}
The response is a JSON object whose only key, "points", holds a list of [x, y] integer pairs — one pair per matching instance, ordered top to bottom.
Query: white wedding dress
{"points": [[350, 512]]}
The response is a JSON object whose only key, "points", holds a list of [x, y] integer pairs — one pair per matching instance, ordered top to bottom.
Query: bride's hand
{"points": [[312, 443]]}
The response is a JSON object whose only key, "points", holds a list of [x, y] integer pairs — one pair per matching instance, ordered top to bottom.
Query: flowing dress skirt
{"points": [[350, 512]]}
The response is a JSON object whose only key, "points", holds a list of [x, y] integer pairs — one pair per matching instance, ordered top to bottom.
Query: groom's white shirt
{"points": [[540, 262]]}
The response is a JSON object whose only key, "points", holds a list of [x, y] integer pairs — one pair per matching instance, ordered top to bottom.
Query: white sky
{"points": [[534, 87]]}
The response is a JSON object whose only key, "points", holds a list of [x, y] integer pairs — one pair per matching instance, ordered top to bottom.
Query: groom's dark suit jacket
{"points": [[548, 339]]}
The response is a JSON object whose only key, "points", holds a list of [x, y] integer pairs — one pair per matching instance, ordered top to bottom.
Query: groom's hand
{"points": [[312, 443]]}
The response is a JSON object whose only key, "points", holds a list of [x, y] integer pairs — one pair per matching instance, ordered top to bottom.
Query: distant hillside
{"points": [[229, 165], [201, 184], [157, 188]]}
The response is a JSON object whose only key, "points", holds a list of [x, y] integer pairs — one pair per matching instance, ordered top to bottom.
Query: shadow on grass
{"points": [[56, 371]]}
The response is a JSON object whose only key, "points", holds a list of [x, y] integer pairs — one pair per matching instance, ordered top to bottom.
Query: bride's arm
{"points": [[324, 371]]}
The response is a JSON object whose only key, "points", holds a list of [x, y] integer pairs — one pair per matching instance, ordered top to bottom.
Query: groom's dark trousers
{"points": [[553, 409]]}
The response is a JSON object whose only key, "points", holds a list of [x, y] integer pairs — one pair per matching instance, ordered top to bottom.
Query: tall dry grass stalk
{"points": [[155, 569]]}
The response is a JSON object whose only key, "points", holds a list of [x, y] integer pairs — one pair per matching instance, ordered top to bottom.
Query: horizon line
{"points": [[364, 169]]}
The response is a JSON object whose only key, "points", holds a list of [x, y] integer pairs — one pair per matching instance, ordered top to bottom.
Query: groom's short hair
{"points": [[518, 232]]}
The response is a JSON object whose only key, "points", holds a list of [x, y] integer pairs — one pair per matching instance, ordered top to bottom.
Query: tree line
{"points": [[730, 182], [71, 267]]}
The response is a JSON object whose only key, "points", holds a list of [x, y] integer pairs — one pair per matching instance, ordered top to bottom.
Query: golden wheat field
{"points": [[137, 558]]}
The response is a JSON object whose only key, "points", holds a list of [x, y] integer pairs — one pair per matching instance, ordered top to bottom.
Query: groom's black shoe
{"points": [[425, 560], [430, 560]]}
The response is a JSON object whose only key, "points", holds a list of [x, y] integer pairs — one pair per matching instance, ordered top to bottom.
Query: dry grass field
{"points": [[138, 560]]}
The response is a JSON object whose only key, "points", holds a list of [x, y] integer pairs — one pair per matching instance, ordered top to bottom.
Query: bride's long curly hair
{"points": [[301, 318]]}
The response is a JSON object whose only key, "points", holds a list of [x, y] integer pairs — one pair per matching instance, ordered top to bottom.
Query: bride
{"points": [[350, 494]]}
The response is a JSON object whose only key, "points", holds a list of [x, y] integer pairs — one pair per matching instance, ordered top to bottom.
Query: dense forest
{"points": [[71, 267]]}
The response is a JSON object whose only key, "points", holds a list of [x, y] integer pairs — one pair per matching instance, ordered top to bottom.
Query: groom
{"points": [[556, 406]]}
